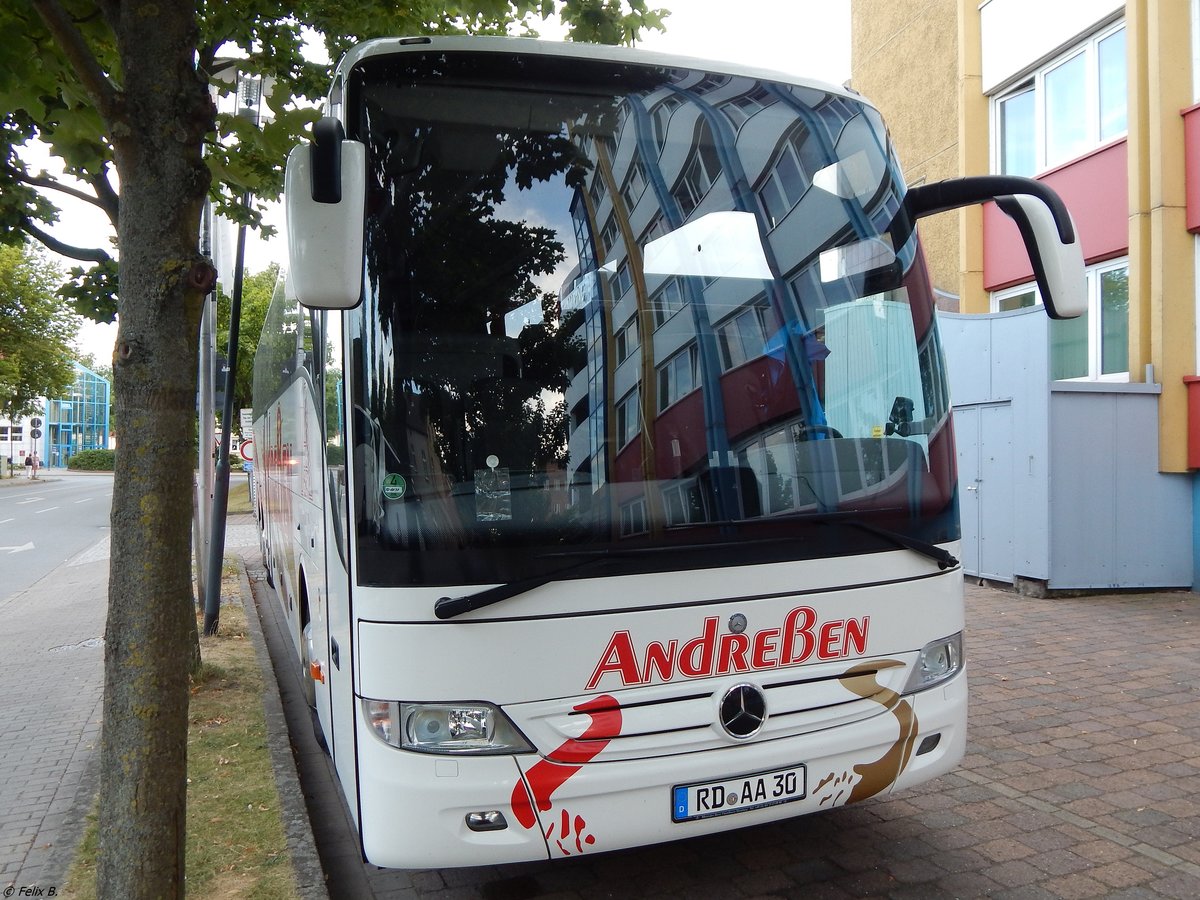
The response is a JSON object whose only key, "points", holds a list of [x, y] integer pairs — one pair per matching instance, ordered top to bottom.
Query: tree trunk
{"points": [[165, 111]]}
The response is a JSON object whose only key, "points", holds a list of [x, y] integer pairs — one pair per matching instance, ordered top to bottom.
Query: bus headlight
{"points": [[939, 660], [444, 727]]}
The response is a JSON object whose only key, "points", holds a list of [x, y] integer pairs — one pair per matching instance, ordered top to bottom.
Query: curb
{"points": [[5, 481], [310, 879]]}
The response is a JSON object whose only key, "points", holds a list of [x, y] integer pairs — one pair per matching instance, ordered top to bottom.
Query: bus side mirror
{"points": [[325, 190], [1043, 220]]}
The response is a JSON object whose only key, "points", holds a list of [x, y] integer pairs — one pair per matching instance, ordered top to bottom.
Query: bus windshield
{"points": [[664, 317]]}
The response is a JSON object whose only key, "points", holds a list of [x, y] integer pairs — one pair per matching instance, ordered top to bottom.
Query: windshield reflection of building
{"points": [[683, 373]]}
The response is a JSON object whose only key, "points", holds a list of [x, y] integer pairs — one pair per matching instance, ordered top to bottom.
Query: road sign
{"points": [[247, 420], [36, 423], [35, 433], [247, 451]]}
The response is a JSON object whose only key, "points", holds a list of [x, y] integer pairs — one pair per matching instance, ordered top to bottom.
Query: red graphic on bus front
{"points": [[547, 775], [570, 830]]}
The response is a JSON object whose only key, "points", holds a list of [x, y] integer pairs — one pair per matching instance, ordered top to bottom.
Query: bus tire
{"points": [[263, 548], [306, 679], [318, 733]]}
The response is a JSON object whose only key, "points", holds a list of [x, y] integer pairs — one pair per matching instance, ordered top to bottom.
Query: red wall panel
{"points": [[1191, 150], [1095, 189]]}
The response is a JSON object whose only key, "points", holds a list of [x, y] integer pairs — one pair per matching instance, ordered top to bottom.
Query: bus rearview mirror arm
{"points": [[1041, 217]]}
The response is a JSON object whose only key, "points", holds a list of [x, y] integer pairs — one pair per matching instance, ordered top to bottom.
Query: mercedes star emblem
{"points": [[743, 710]]}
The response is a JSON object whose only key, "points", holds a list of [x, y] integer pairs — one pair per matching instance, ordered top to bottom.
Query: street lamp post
{"points": [[249, 92]]}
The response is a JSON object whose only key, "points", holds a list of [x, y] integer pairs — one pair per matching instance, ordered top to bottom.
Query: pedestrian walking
{"points": [[34, 462]]}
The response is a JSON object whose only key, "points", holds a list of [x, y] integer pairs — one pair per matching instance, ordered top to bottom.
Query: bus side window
{"points": [[325, 343]]}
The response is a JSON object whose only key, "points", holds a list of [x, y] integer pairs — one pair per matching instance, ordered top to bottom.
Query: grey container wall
{"points": [[1058, 480]]}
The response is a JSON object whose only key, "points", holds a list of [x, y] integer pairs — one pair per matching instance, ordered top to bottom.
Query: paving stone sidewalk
{"points": [[52, 670], [51, 690], [1081, 780]]}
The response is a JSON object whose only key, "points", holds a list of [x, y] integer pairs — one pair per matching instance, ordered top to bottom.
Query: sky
{"points": [[801, 37]]}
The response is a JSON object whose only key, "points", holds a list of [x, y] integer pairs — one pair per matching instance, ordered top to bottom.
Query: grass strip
{"points": [[236, 846]]}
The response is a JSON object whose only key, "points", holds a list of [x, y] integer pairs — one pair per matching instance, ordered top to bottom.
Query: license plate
{"points": [[738, 794]]}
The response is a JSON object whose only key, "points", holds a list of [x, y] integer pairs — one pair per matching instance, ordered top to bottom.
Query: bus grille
{"points": [[667, 719]]}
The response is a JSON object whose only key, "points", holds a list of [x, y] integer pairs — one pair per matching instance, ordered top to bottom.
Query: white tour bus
{"points": [[608, 476]]}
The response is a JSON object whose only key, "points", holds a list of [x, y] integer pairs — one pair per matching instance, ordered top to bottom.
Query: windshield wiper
{"points": [[943, 558], [449, 607]]}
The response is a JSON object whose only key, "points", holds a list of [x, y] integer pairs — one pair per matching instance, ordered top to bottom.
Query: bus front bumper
{"points": [[415, 808]]}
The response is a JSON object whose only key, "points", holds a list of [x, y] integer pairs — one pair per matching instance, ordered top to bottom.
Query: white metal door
{"points": [[983, 434], [966, 439]]}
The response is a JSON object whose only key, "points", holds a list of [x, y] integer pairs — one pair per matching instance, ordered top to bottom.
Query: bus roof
{"points": [[573, 50]]}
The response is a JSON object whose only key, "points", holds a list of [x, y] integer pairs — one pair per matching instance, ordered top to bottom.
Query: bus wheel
{"points": [[306, 679], [318, 734]]}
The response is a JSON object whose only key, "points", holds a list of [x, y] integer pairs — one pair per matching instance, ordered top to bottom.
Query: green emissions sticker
{"points": [[394, 486]]}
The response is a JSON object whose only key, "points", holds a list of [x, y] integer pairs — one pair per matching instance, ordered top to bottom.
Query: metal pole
{"points": [[249, 91], [204, 412], [204, 451], [220, 506]]}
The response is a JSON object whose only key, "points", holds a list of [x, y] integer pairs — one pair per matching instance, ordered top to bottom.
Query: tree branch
{"points": [[79, 55], [205, 57], [54, 185], [110, 201], [80, 253]]}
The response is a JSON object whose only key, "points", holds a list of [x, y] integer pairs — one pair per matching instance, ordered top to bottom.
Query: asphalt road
{"points": [[47, 522]]}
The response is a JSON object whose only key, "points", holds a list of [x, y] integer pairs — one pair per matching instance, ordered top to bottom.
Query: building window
{"points": [[710, 83], [1113, 85], [740, 108], [1065, 109], [623, 114], [1065, 114], [661, 117], [1018, 142], [699, 172], [788, 176], [635, 183], [597, 191], [656, 229], [608, 234], [584, 242], [624, 279], [1014, 298], [667, 301], [742, 337], [626, 340], [1095, 346], [678, 377], [579, 412], [628, 418], [772, 459], [683, 503], [633, 518]]}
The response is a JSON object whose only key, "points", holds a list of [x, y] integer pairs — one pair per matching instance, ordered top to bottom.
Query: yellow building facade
{"points": [[951, 76]]}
